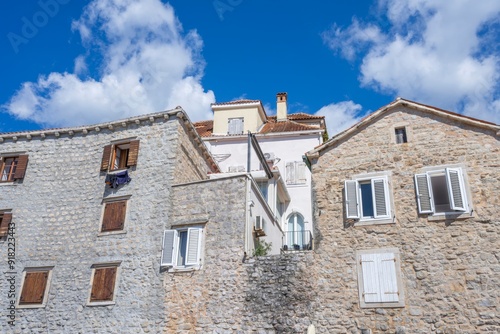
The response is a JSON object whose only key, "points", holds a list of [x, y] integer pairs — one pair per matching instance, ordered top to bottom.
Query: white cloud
{"points": [[434, 52], [148, 64], [340, 116]]}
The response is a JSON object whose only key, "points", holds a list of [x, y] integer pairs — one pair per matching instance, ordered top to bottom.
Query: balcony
{"points": [[297, 241]]}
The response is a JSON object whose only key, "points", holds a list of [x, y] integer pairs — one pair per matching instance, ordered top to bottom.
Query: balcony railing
{"points": [[297, 241]]}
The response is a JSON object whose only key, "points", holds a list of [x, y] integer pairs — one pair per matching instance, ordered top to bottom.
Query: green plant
{"points": [[262, 248]]}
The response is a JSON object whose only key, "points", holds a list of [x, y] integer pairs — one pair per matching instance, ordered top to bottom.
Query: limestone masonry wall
{"points": [[450, 267]]}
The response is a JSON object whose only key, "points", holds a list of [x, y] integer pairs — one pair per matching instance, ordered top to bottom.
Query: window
{"points": [[235, 126], [401, 135], [120, 156], [13, 168], [296, 172], [263, 186], [441, 191], [368, 198], [113, 218], [5, 219], [297, 238], [182, 247], [379, 278], [104, 279], [34, 292]]}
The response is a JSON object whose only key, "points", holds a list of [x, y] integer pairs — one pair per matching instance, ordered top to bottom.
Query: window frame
{"points": [[233, 127], [130, 146], [19, 170], [296, 174], [425, 198], [353, 199], [113, 200], [5, 220], [170, 248], [102, 266], [394, 273], [45, 297]]}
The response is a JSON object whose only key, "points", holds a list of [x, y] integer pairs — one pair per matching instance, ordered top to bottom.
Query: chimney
{"points": [[281, 107]]}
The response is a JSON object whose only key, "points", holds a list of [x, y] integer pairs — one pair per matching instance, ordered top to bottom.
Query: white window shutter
{"points": [[239, 125], [231, 127], [300, 172], [290, 173], [456, 189], [380, 196], [351, 199], [424, 199], [193, 246], [169, 248], [388, 278], [371, 285]]}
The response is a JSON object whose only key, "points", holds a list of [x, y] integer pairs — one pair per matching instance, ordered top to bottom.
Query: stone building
{"points": [[407, 208], [97, 221]]}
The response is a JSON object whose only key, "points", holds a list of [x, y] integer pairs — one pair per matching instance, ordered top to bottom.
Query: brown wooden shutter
{"points": [[133, 153], [106, 155], [22, 164], [114, 216], [4, 225], [103, 285], [34, 287]]}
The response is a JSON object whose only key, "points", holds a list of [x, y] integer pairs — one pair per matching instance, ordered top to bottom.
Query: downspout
{"points": [[249, 143], [247, 214]]}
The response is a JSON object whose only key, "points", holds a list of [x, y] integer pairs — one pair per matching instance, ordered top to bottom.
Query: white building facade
{"points": [[283, 139]]}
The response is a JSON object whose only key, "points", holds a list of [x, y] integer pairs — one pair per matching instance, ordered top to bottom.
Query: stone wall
{"points": [[57, 212], [450, 267]]}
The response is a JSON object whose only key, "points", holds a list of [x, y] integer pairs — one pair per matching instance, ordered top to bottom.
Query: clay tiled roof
{"points": [[241, 101], [272, 126], [205, 128]]}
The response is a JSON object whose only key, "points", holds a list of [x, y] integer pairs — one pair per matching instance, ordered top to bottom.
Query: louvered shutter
{"points": [[238, 125], [231, 127], [133, 153], [106, 156], [22, 164], [300, 172], [290, 173], [456, 189], [380, 197], [424, 198], [351, 199], [114, 216], [4, 225], [193, 246], [169, 248], [370, 274], [388, 278], [103, 284], [34, 287]]}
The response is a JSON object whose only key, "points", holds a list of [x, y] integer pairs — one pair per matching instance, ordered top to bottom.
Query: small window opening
{"points": [[401, 136]]}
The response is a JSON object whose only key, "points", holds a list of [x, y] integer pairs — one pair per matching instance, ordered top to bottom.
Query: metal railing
{"points": [[297, 241]]}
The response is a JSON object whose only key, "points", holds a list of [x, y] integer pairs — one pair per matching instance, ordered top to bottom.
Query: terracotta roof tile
{"points": [[235, 102], [300, 116], [286, 126]]}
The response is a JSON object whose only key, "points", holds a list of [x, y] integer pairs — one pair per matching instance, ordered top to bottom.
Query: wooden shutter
{"points": [[133, 153], [106, 156], [22, 164], [300, 172], [290, 173], [456, 189], [380, 198], [351, 199], [424, 199], [114, 216], [6, 218], [193, 246], [169, 250], [388, 278], [103, 284], [371, 285], [34, 286]]}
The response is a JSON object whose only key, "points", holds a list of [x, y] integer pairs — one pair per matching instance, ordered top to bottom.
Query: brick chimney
{"points": [[282, 114]]}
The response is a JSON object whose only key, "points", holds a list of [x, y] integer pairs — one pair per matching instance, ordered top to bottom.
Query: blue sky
{"points": [[68, 62]]}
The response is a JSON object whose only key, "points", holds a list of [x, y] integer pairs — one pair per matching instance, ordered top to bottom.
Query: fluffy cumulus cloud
{"points": [[443, 53], [148, 64], [340, 116]]}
